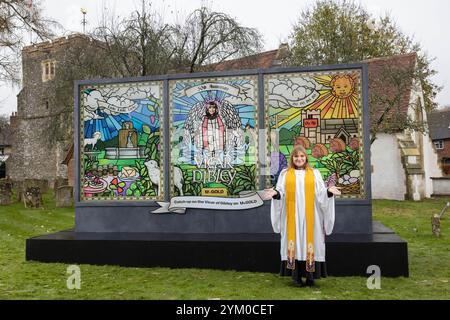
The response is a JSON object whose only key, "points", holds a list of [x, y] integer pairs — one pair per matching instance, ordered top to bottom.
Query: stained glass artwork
{"points": [[322, 111], [214, 139], [120, 143]]}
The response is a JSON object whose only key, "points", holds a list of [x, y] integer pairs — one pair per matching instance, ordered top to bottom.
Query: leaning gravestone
{"points": [[23, 186], [64, 196], [32, 198]]}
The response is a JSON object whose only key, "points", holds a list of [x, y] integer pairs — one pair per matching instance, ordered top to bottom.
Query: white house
{"points": [[403, 162]]}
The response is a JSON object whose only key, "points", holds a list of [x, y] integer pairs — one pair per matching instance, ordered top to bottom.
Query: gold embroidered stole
{"points": [[309, 209], [290, 218]]}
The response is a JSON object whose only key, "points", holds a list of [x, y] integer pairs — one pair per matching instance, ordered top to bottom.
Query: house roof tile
{"points": [[439, 124]]}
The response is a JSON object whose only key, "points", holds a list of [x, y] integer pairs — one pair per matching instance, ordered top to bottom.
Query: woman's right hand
{"points": [[335, 190], [269, 194]]}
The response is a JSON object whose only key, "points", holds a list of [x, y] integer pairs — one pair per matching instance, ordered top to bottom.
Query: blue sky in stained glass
{"points": [[110, 125]]}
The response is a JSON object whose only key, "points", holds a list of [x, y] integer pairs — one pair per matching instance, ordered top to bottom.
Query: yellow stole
{"points": [[290, 218]]}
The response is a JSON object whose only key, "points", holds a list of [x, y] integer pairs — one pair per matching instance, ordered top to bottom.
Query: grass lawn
{"points": [[429, 262]]}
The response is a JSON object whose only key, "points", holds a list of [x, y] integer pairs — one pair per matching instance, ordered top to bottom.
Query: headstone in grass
{"points": [[60, 182], [23, 186], [5, 191], [64, 196], [32, 197], [436, 221], [436, 225]]}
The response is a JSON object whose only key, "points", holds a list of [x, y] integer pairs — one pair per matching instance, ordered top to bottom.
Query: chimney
{"points": [[283, 51], [282, 54], [13, 121]]}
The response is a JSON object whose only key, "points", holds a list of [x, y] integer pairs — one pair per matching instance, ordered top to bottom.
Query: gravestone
{"points": [[60, 182], [22, 186], [5, 192], [64, 196], [32, 198], [436, 225]]}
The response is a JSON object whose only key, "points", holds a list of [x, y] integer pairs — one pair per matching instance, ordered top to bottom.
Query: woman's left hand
{"points": [[335, 190], [269, 194]]}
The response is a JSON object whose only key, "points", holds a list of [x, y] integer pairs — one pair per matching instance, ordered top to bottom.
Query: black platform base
{"points": [[347, 254]]}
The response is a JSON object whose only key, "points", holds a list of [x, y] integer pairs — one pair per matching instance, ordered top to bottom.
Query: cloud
{"points": [[288, 93], [113, 100]]}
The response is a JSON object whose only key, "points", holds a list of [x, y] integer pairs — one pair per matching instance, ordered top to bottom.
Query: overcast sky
{"points": [[426, 21]]}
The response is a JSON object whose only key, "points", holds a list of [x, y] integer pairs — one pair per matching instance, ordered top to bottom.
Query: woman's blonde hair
{"points": [[298, 149]]}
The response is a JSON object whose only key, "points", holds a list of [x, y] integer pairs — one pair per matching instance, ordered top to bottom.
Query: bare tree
{"points": [[18, 19], [209, 37], [143, 44], [136, 45], [4, 121], [5, 129]]}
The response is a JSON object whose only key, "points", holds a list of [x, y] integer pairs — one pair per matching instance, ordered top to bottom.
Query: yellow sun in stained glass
{"points": [[339, 98]]}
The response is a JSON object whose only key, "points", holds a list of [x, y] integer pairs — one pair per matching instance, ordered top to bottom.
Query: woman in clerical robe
{"points": [[302, 211]]}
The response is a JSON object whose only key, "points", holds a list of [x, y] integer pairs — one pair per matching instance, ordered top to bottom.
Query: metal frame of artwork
{"points": [[260, 77]]}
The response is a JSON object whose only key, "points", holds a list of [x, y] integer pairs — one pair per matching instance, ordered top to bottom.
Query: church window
{"points": [[48, 70]]}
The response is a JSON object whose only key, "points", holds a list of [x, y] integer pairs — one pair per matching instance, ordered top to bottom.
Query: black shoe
{"points": [[298, 283], [310, 283]]}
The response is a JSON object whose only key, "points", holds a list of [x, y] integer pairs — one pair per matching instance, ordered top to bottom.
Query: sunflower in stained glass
{"points": [[338, 99]]}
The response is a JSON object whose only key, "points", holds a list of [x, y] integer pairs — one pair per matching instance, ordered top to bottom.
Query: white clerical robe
{"points": [[323, 216]]}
